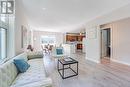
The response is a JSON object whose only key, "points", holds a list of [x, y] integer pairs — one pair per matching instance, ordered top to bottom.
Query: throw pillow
{"points": [[59, 51], [21, 65]]}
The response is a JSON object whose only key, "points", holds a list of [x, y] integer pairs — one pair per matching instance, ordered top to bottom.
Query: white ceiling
{"points": [[66, 15]]}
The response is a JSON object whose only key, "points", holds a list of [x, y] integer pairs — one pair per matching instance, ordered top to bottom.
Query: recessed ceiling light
{"points": [[43, 8]]}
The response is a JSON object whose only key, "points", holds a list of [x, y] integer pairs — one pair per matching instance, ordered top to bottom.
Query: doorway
{"points": [[106, 43]]}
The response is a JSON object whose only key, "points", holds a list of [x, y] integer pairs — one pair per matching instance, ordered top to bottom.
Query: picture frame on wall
{"points": [[6, 7], [92, 33], [23, 36]]}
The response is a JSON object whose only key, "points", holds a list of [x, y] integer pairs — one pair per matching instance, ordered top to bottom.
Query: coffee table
{"points": [[64, 63]]}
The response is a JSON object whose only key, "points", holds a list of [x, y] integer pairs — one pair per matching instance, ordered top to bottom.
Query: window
{"points": [[7, 18], [48, 40], [3, 53]]}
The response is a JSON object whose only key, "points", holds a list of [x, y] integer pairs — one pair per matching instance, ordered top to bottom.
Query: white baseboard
{"points": [[96, 61], [118, 61]]}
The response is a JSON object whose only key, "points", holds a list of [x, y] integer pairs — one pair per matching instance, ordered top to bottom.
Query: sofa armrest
{"points": [[43, 83]]}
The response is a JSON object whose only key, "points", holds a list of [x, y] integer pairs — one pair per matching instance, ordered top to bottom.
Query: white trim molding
{"points": [[90, 59], [121, 62]]}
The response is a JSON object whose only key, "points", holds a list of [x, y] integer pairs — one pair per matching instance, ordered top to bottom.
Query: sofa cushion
{"points": [[21, 56], [21, 65], [8, 71], [36, 72]]}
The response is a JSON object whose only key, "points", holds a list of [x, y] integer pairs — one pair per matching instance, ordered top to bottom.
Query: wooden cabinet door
{"points": [[79, 46]]}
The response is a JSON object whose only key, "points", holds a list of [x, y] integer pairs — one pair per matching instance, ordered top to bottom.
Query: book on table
{"points": [[68, 59]]}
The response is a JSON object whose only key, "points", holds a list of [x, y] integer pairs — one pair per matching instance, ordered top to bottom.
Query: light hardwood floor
{"points": [[105, 74]]}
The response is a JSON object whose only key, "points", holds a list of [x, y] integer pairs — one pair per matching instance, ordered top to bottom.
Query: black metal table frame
{"points": [[63, 68]]}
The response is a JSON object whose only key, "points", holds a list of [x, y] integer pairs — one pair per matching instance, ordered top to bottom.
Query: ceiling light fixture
{"points": [[43, 8], [80, 33]]}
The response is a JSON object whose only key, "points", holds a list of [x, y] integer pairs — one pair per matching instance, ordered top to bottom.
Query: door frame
{"points": [[111, 39]]}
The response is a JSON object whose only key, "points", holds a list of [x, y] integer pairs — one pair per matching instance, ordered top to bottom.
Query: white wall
{"points": [[20, 20], [37, 38], [93, 45]]}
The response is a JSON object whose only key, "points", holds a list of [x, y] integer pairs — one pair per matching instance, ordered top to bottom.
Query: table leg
{"points": [[58, 65], [69, 65], [77, 68], [63, 71]]}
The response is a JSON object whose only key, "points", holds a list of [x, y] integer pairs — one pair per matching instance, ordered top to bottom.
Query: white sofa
{"points": [[35, 76]]}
